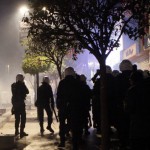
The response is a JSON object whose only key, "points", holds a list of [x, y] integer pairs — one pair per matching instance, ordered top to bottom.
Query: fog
{"points": [[11, 51]]}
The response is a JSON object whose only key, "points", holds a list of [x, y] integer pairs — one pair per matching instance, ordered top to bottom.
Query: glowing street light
{"points": [[44, 8], [24, 9], [23, 22]]}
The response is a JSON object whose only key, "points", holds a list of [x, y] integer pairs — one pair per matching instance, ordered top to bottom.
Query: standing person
{"points": [[19, 91], [69, 95], [111, 95], [44, 99], [86, 102], [138, 106], [96, 116], [122, 121]]}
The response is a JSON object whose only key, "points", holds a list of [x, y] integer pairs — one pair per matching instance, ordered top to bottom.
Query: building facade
{"points": [[138, 52]]}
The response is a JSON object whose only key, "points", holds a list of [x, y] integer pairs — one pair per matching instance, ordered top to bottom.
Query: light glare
{"points": [[44, 8], [24, 9]]}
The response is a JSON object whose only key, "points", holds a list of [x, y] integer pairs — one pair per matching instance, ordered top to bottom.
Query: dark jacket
{"points": [[122, 85], [19, 91], [69, 93], [111, 94], [44, 95], [86, 96], [138, 105]]}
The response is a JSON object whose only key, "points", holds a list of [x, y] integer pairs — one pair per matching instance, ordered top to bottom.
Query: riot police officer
{"points": [[19, 92], [44, 100]]}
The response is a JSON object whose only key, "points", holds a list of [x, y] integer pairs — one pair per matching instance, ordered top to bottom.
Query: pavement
{"points": [[5, 117], [37, 142]]}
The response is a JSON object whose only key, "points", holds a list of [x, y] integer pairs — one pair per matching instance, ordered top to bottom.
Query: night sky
{"points": [[11, 51]]}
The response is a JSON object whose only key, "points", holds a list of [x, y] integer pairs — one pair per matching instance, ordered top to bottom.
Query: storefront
{"points": [[138, 53]]}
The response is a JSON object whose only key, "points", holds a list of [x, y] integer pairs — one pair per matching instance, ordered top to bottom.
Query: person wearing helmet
{"points": [[122, 86], [19, 92], [69, 96], [44, 100], [62, 103], [138, 105]]}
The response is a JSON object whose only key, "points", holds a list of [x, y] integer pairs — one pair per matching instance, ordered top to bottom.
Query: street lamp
{"points": [[44, 8], [23, 10], [23, 22]]}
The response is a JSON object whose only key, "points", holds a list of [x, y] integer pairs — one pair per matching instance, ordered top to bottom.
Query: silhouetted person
{"points": [[134, 68], [115, 73], [97, 74], [146, 75], [19, 91], [111, 95], [86, 100], [69, 101], [96, 101], [45, 102], [62, 103], [138, 106], [96, 115], [122, 118]]}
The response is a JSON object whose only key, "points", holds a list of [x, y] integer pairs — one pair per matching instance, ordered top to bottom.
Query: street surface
{"points": [[47, 142]]}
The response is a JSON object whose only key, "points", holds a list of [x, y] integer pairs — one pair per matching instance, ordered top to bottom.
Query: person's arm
{"points": [[95, 76], [26, 89], [13, 90], [51, 97], [58, 97]]}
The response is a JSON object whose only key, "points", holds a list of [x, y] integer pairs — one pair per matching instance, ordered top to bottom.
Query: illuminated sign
{"points": [[129, 52]]}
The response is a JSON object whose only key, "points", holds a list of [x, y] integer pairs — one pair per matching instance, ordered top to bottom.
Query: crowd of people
{"points": [[128, 107]]}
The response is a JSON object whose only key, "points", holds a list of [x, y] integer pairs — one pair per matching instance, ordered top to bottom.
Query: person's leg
{"points": [[41, 118], [49, 118], [17, 122], [23, 122], [85, 123], [67, 125], [76, 128], [62, 129], [75, 138]]}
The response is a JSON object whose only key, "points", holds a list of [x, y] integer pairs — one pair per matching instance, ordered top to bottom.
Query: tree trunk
{"points": [[59, 71], [37, 79], [37, 85], [104, 107]]}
